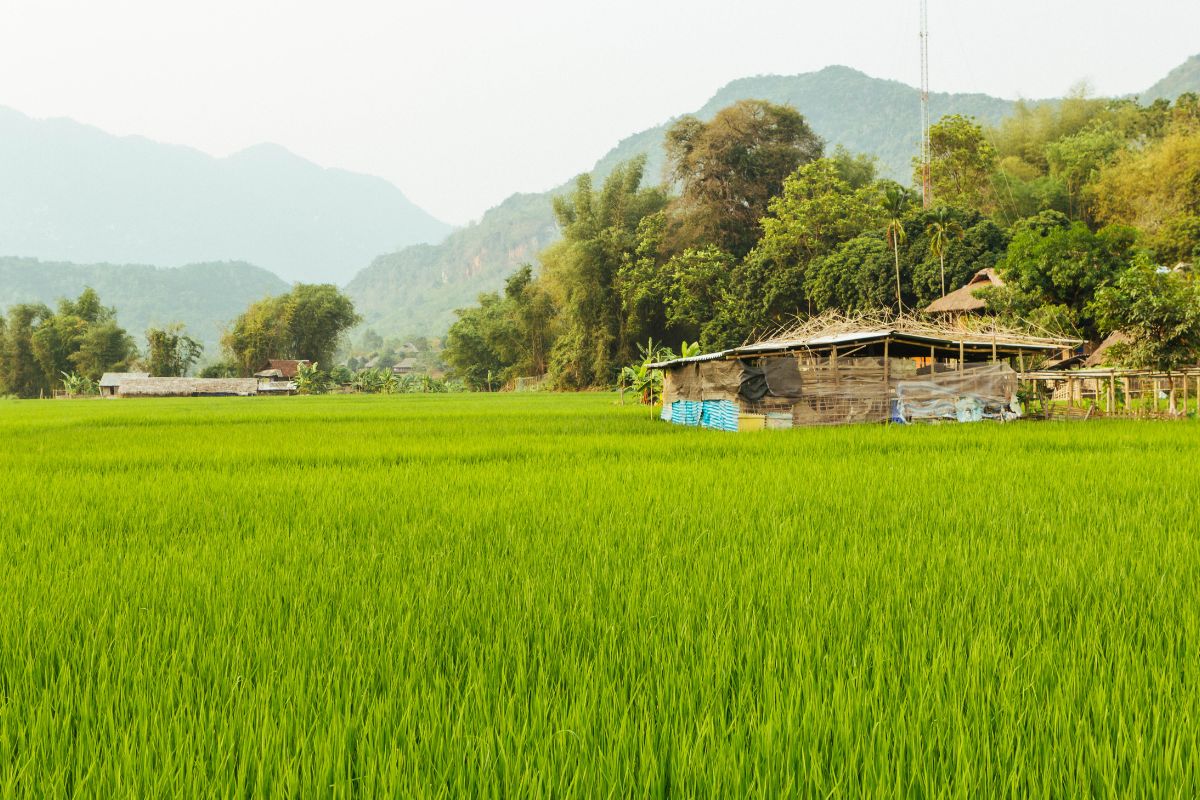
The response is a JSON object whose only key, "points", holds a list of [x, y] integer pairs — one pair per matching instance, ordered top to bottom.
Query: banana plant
{"points": [[77, 385]]}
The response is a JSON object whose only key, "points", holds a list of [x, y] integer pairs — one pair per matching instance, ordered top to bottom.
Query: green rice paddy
{"points": [[533, 595]]}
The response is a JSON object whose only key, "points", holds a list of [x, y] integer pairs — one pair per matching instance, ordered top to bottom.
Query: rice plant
{"points": [[547, 595]]}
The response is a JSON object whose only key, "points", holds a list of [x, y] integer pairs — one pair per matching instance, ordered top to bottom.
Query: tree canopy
{"points": [[306, 323]]}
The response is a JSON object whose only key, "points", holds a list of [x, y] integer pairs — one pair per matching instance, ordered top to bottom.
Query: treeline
{"points": [[1085, 207], [72, 346], [42, 350]]}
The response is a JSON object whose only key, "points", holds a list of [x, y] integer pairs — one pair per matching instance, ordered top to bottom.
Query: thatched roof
{"points": [[963, 300], [904, 336], [1100, 356], [287, 367], [111, 380], [188, 387]]}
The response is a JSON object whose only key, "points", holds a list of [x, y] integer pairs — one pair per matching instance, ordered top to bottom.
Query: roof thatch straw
{"points": [[963, 300], [832, 324], [188, 387]]}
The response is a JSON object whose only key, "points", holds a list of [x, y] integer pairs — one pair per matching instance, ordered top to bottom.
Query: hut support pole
{"points": [[961, 357], [833, 361], [1070, 392], [887, 394], [1112, 394]]}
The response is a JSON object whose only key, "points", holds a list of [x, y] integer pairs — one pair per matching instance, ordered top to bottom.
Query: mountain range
{"points": [[70, 192], [415, 291], [204, 297]]}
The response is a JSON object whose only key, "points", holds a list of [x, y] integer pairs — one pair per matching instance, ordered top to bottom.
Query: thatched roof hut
{"points": [[963, 300], [1101, 356], [282, 368], [835, 370], [110, 382], [188, 387]]}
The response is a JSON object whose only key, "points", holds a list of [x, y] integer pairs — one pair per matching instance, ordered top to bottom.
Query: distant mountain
{"points": [[1184, 78], [844, 106], [71, 192], [414, 291], [202, 296]]}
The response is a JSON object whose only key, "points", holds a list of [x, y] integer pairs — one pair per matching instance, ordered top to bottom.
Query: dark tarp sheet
{"points": [[783, 376], [754, 384]]}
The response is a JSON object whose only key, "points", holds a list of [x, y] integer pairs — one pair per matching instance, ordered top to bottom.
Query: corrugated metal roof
{"points": [[833, 340], [111, 379]]}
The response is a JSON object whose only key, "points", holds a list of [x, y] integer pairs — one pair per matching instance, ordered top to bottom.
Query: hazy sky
{"points": [[462, 103]]}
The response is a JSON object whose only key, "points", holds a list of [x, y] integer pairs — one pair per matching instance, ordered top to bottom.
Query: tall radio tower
{"points": [[926, 154]]}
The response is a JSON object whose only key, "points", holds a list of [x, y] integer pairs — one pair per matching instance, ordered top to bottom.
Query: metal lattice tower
{"points": [[926, 150]]}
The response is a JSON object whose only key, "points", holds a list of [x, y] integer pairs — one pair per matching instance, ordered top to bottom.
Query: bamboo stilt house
{"points": [[836, 370]]}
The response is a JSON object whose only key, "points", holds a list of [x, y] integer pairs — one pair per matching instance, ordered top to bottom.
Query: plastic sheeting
{"points": [[983, 391], [715, 414]]}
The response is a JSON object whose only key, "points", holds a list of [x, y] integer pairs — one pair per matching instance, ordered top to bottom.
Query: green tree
{"points": [[962, 161], [728, 169], [1150, 186], [897, 203], [817, 211], [942, 230], [600, 234], [1054, 267], [856, 277], [1158, 310], [306, 323], [480, 342], [106, 347], [171, 351], [20, 372]]}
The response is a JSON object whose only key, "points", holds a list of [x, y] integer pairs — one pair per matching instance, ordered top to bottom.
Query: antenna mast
{"points": [[926, 149]]}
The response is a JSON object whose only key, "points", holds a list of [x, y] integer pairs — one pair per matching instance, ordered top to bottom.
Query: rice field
{"points": [[536, 595]]}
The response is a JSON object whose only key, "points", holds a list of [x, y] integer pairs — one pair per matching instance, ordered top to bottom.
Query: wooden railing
{"points": [[1084, 393]]}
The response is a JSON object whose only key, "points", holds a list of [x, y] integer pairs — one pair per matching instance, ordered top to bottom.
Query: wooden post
{"points": [[961, 356], [932, 359], [994, 359], [833, 361], [1125, 383], [887, 389], [1070, 391], [1156, 391], [1112, 394], [1185, 395], [1172, 406]]}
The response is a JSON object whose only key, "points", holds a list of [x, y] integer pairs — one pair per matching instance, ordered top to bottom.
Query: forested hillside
{"points": [[1184, 78], [75, 193], [1088, 210], [414, 291], [204, 297]]}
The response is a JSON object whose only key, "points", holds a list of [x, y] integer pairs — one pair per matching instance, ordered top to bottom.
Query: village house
{"points": [[962, 301], [110, 382]]}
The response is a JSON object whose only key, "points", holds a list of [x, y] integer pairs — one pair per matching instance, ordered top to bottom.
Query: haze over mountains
{"points": [[69, 192]]}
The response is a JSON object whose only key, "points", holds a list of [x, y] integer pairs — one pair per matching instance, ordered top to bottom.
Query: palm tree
{"points": [[897, 199], [941, 231]]}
